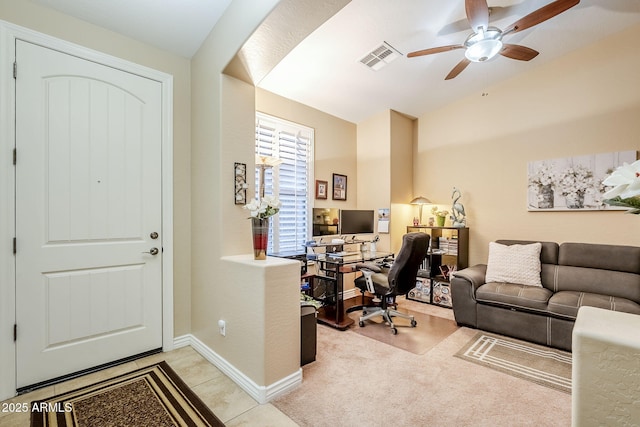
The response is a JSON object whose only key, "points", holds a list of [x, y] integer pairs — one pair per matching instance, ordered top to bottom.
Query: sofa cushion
{"points": [[605, 257], [518, 264], [619, 284], [514, 295], [567, 303]]}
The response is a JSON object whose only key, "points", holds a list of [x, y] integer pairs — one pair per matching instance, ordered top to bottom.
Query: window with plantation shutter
{"points": [[290, 181]]}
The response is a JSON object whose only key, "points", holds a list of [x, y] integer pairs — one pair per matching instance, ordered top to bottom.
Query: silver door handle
{"points": [[152, 251]]}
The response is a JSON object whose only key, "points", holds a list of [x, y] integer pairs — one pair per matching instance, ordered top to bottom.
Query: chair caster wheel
{"points": [[413, 323], [361, 324], [394, 331]]}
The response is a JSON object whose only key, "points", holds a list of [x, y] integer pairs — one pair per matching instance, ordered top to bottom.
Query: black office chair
{"points": [[399, 279]]}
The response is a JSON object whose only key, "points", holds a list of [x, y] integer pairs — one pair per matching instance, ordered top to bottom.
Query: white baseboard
{"points": [[262, 394]]}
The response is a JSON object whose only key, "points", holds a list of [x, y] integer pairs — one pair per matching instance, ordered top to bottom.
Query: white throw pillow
{"points": [[514, 264]]}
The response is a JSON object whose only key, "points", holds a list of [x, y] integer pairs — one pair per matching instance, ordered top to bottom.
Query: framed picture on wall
{"points": [[240, 174], [573, 183], [339, 187], [321, 189]]}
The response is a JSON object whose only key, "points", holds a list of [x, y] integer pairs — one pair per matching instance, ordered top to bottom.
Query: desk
{"points": [[331, 270]]}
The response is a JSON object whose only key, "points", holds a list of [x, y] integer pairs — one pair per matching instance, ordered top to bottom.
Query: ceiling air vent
{"points": [[380, 56]]}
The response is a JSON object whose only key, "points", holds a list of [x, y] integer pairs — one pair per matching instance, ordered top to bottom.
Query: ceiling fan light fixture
{"points": [[483, 45], [483, 50]]}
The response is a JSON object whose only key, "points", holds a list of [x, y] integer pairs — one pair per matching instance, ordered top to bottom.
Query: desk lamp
{"points": [[262, 163], [420, 201]]}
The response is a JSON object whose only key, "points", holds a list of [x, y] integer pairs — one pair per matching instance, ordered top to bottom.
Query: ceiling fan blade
{"points": [[495, 13], [477, 14], [540, 15], [434, 50], [521, 53], [458, 69]]}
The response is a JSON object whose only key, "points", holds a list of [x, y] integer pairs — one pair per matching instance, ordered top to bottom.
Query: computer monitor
{"points": [[325, 221], [357, 221]]}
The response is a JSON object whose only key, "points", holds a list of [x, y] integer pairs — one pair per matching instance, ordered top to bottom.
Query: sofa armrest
{"points": [[474, 275], [463, 294]]}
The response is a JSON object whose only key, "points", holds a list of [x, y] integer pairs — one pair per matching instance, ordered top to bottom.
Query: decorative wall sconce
{"points": [[262, 163], [240, 173]]}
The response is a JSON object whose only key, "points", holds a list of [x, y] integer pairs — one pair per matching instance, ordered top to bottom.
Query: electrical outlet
{"points": [[222, 326]]}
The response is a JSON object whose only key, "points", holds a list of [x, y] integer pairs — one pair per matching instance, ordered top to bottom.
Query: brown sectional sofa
{"points": [[572, 275]]}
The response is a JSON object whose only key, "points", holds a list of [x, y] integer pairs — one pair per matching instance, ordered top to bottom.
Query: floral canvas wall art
{"points": [[573, 183]]}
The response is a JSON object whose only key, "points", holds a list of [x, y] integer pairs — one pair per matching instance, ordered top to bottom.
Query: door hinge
{"points": [[15, 70], [15, 156], [15, 245], [15, 332]]}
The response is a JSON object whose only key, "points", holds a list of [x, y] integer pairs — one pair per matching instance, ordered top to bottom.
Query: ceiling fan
{"points": [[486, 42]]}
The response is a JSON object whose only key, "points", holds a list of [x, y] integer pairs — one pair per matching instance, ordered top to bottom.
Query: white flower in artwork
{"points": [[544, 175], [575, 180], [625, 181]]}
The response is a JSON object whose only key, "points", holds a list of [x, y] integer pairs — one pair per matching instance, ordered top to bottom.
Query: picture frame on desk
{"points": [[339, 187], [321, 189]]}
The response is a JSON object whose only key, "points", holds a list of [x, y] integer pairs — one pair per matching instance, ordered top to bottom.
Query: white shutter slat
{"points": [[290, 181]]}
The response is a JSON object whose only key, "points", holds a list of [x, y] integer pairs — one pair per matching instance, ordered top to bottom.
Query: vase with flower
{"points": [[542, 183], [573, 183], [260, 212], [441, 216]]}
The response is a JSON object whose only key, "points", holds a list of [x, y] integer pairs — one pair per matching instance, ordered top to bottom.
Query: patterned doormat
{"points": [[543, 365], [153, 396]]}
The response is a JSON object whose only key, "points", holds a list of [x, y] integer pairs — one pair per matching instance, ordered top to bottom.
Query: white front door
{"points": [[88, 207]]}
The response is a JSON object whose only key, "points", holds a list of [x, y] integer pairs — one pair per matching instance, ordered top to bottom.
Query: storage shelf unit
{"points": [[449, 249]]}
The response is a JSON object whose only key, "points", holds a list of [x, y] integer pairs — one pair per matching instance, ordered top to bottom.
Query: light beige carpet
{"points": [[429, 331], [543, 365], [357, 381]]}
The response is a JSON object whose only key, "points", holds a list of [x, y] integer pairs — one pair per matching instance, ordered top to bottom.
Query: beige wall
{"points": [[47, 21], [584, 103], [223, 123], [402, 141], [335, 143], [374, 167], [385, 171]]}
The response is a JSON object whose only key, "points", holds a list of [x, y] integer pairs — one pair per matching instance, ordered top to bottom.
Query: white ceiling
{"points": [[179, 26], [324, 71]]}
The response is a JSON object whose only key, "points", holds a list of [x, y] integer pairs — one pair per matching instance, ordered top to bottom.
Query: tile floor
{"points": [[228, 401]]}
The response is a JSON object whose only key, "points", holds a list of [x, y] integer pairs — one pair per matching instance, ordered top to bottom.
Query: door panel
{"points": [[88, 194], [109, 298]]}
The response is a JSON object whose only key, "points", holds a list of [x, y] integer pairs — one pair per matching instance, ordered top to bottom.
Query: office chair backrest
{"points": [[403, 272]]}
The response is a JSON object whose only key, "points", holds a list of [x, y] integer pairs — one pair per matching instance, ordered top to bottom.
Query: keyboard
{"points": [[343, 253]]}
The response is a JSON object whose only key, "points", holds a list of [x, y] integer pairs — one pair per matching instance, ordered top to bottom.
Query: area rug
{"points": [[429, 331], [543, 365], [154, 396]]}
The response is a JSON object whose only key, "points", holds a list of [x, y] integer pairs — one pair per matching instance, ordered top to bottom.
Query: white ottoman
{"points": [[606, 368]]}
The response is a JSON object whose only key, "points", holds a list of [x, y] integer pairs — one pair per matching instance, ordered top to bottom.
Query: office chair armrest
{"points": [[368, 266], [366, 273]]}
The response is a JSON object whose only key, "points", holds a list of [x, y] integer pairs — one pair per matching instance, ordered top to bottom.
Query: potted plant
{"points": [[440, 216]]}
